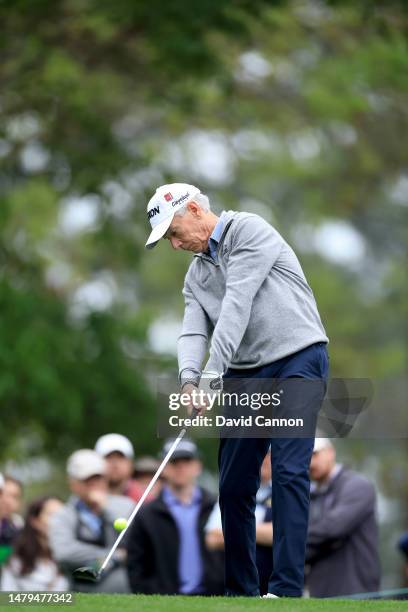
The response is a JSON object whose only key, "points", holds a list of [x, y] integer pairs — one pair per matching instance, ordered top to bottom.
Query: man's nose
{"points": [[175, 243]]}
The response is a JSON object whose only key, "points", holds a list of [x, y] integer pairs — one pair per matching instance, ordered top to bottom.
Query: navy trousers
{"points": [[239, 461]]}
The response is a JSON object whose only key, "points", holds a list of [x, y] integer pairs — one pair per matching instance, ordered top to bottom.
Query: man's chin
{"points": [[193, 249]]}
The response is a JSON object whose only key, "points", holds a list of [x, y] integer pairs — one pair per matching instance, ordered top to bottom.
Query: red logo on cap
{"points": [[168, 197]]}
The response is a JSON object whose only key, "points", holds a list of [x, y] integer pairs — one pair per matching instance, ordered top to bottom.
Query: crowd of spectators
{"points": [[175, 543]]}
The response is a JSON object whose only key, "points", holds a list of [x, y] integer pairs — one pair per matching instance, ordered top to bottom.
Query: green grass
{"points": [[157, 603]]}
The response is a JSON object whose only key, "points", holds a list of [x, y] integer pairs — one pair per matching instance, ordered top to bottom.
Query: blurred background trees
{"points": [[295, 110]]}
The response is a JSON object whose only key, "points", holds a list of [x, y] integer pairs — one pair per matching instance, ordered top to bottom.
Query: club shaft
{"points": [[142, 499]]}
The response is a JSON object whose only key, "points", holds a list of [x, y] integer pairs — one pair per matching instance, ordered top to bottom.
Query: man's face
{"points": [[189, 232], [322, 464], [118, 468], [182, 472], [144, 478], [85, 489], [11, 499]]}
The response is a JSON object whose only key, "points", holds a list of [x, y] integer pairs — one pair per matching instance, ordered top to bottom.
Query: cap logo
{"points": [[168, 197], [181, 199], [153, 211]]}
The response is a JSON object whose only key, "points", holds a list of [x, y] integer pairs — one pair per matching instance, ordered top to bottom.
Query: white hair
{"points": [[201, 199]]}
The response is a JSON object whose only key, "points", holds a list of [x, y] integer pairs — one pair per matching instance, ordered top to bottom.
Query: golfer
{"points": [[248, 301]]}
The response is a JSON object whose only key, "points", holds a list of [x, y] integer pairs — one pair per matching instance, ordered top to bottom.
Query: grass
{"points": [[156, 603]]}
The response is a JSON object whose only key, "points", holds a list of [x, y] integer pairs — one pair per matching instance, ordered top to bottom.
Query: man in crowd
{"points": [[247, 302], [117, 450], [145, 468], [263, 515], [11, 521], [82, 532], [342, 546], [403, 547], [166, 548], [4, 551]]}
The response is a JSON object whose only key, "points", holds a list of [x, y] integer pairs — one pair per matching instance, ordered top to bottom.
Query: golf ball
{"points": [[120, 524]]}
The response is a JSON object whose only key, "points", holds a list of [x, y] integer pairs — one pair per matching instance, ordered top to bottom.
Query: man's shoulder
{"points": [[242, 218], [236, 222], [246, 227], [352, 480], [207, 498], [120, 503], [159, 505], [66, 513]]}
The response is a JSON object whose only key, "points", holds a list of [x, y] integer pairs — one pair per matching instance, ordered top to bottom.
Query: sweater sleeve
{"points": [[255, 248], [193, 340], [355, 503], [67, 550], [8, 580]]}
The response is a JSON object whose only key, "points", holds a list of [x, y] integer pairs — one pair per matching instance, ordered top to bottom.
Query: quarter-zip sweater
{"points": [[252, 305]]}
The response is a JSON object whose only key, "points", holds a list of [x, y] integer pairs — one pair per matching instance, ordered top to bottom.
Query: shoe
{"points": [[270, 596]]}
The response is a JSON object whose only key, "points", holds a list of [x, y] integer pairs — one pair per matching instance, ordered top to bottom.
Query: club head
{"points": [[86, 574]]}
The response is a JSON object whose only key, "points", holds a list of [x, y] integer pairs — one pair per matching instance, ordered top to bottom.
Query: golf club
{"points": [[89, 573]]}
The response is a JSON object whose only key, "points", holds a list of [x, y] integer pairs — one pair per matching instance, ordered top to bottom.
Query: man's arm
{"points": [[255, 248], [193, 341], [338, 523], [264, 534], [214, 539], [66, 548]]}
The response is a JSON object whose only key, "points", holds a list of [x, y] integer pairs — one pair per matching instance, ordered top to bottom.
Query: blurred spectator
{"points": [[118, 452], [144, 470], [12, 500], [263, 516], [11, 522], [82, 532], [403, 547], [166, 548], [342, 549], [4, 550], [31, 567]]}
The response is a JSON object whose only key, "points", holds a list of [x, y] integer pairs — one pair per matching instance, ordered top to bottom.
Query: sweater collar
{"points": [[220, 230]]}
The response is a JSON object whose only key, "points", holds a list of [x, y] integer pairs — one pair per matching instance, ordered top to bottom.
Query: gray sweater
{"points": [[254, 303], [342, 544], [70, 551]]}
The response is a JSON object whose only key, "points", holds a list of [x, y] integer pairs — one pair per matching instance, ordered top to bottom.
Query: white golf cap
{"points": [[162, 207], [113, 442], [321, 443], [85, 463]]}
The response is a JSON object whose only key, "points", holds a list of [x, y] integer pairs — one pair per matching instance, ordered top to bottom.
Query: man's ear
{"points": [[194, 208]]}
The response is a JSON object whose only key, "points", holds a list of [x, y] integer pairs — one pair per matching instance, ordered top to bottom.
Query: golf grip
{"points": [[150, 486]]}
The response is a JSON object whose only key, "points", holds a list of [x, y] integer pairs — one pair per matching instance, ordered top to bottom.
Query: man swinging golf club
{"points": [[247, 298]]}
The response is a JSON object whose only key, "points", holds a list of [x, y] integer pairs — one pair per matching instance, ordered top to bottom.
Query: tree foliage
{"points": [[296, 110]]}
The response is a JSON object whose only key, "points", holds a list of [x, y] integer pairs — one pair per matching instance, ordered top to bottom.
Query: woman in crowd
{"points": [[31, 567]]}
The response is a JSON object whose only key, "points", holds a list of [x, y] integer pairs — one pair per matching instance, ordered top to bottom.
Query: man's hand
{"points": [[195, 402], [97, 500], [120, 555]]}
